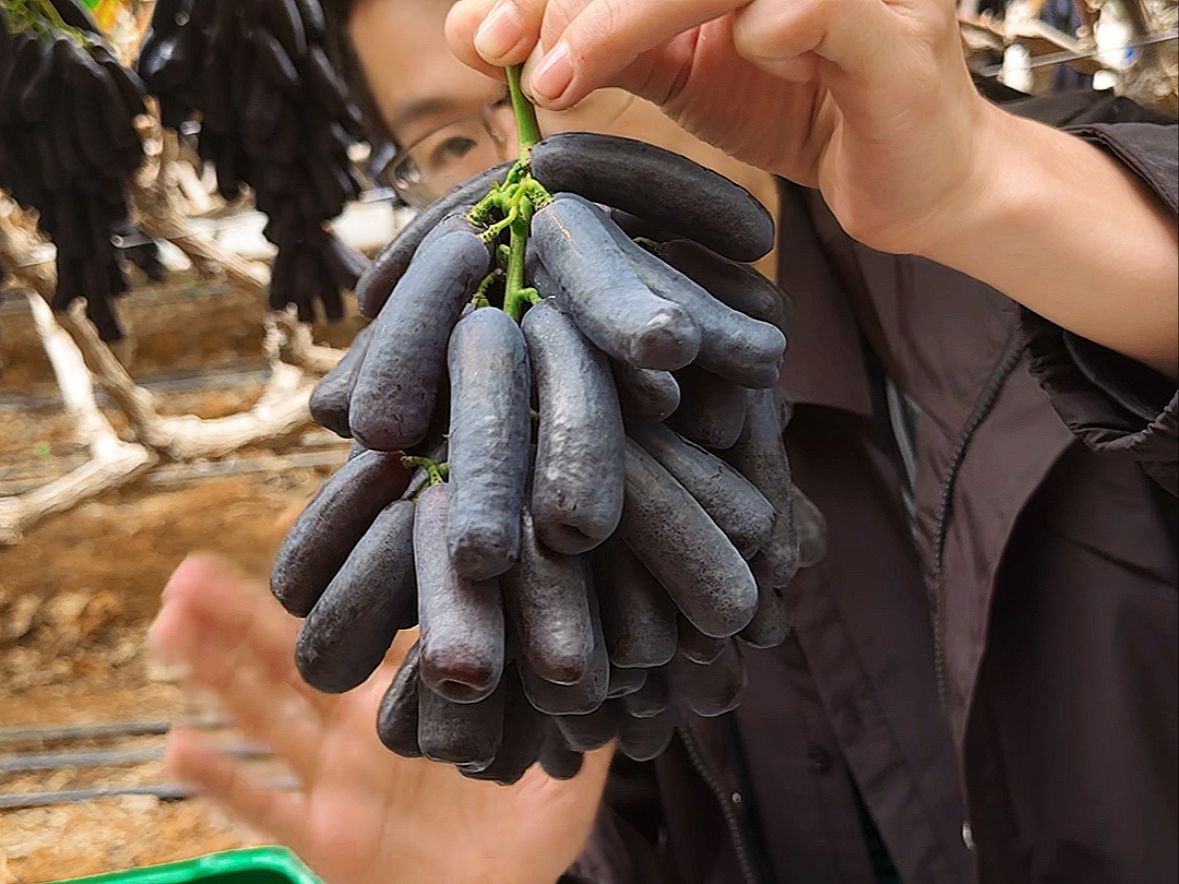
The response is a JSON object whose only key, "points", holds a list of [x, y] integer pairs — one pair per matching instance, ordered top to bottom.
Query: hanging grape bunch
{"points": [[275, 116], [68, 144], [602, 513]]}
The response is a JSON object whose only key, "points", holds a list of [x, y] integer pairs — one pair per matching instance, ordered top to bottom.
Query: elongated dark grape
{"points": [[74, 14], [314, 20], [286, 22], [25, 57], [274, 61], [326, 85], [130, 86], [31, 102], [663, 187], [455, 221], [634, 226], [344, 264], [386, 270], [536, 275], [737, 285], [602, 292], [733, 344], [397, 384], [646, 393], [330, 398], [712, 410], [490, 428], [760, 456], [578, 472], [734, 503], [329, 528], [812, 530], [684, 549], [782, 554], [546, 596], [638, 616], [461, 620], [769, 626], [347, 633], [698, 647], [624, 682], [709, 690], [585, 695], [651, 699], [397, 717], [460, 733], [583, 733], [523, 736], [644, 739], [558, 760]]}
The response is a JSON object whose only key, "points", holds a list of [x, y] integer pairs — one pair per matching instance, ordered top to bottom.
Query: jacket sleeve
{"points": [[1115, 404], [626, 846]]}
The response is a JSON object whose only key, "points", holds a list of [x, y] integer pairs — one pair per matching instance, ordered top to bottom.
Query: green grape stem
{"points": [[527, 126], [513, 203], [438, 472]]}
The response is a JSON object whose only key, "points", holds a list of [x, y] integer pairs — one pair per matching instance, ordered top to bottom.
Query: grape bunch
{"points": [[274, 115], [68, 144], [575, 358]]}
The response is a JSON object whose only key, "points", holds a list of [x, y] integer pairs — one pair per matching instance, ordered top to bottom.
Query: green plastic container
{"points": [[260, 865]]}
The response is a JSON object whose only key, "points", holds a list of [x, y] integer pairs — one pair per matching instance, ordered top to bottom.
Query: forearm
{"points": [[1058, 225]]}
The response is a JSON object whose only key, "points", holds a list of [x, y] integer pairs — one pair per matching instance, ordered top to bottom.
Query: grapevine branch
{"points": [[154, 196], [78, 356], [113, 462]]}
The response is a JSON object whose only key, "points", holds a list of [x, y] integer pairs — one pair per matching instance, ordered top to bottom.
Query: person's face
{"points": [[416, 83], [450, 122]]}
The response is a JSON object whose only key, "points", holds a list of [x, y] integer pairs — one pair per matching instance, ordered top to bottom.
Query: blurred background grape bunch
{"points": [[275, 116]]}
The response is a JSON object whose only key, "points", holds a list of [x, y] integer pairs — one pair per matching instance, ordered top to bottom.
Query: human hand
{"points": [[868, 100], [361, 812]]}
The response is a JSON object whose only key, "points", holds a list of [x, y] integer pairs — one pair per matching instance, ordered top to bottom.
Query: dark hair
{"points": [[343, 56]]}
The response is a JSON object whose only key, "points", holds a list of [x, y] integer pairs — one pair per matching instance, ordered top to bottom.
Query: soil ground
{"points": [[79, 591]]}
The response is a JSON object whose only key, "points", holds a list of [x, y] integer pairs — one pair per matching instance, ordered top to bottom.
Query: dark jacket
{"points": [[986, 472]]}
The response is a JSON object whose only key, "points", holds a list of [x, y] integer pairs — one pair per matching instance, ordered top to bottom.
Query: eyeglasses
{"points": [[454, 152]]}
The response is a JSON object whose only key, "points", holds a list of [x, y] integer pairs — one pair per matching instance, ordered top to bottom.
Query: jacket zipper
{"points": [[1012, 354], [736, 832]]}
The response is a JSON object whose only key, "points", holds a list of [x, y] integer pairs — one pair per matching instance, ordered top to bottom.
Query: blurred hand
{"points": [[868, 100], [362, 812]]}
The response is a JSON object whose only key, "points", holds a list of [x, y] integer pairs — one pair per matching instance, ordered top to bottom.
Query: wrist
{"points": [[938, 182], [996, 185]]}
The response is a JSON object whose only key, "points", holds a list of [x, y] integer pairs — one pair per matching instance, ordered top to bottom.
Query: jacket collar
{"points": [[825, 363]]}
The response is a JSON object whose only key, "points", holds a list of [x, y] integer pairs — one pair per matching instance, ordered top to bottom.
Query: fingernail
{"points": [[501, 30], [554, 73]]}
